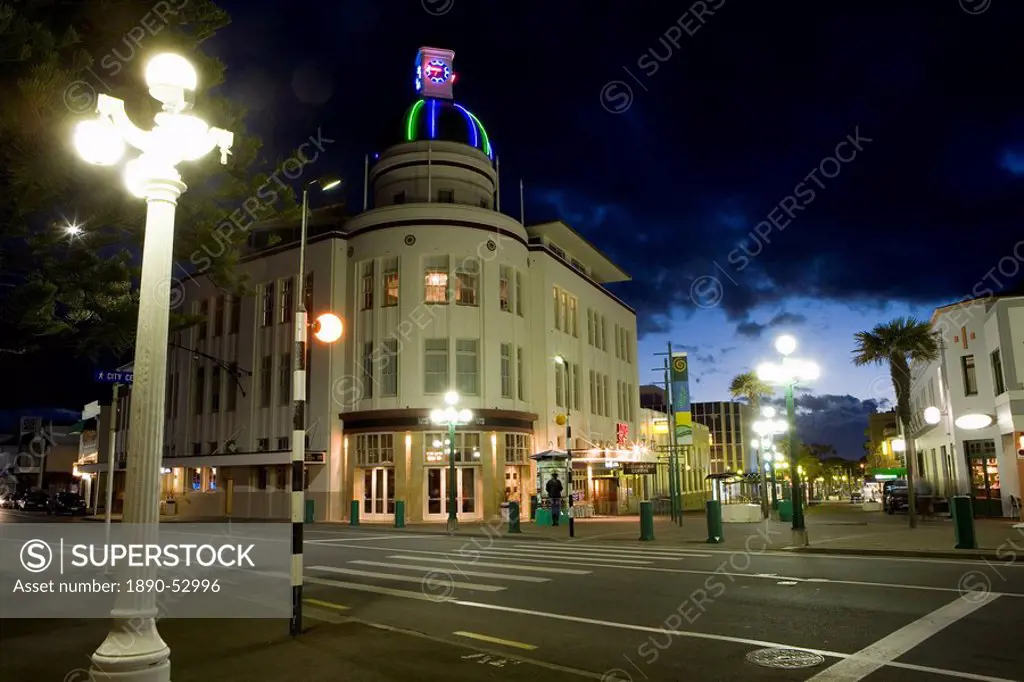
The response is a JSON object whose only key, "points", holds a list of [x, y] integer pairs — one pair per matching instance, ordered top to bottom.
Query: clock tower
{"points": [[435, 73]]}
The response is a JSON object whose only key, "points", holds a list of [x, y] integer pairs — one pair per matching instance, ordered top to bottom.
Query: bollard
{"points": [[310, 511], [714, 512], [399, 513], [353, 517], [513, 518], [646, 521], [963, 522]]}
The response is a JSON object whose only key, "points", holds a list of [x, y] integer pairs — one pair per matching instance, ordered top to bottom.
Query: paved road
{"points": [[618, 612]]}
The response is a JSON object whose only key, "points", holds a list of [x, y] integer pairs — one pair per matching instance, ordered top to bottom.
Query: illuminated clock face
{"points": [[437, 71]]}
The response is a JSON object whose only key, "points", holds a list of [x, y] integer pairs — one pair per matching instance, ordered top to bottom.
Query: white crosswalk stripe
{"points": [[638, 551], [564, 554], [488, 564], [455, 571], [409, 579]]}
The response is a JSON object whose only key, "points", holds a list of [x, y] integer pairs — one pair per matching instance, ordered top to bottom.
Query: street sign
{"points": [[114, 377], [314, 458], [639, 468]]}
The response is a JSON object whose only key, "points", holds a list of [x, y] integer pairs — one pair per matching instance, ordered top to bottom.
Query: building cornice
{"points": [[418, 419]]}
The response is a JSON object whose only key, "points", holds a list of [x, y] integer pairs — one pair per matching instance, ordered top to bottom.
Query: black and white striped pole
{"points": [[298, 487]]}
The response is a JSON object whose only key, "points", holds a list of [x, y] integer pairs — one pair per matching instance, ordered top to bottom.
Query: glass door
{"points": [[379, 491], [437, 491]]}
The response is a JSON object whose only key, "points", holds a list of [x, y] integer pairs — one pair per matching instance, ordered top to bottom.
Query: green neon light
{"points": [[410, 121], [483, 133]]}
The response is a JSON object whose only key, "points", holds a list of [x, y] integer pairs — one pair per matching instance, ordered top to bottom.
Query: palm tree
{"points": [[899, 343], [749, 387]]}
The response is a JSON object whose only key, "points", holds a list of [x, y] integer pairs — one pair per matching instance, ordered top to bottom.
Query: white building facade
{"points": [[438, 291], [977, 385]]}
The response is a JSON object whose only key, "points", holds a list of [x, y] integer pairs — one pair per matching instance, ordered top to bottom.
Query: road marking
{"points": [[332, 541], [570, 550], [641, 551], [552, 556], [486, 564], [695, 571], [475, 574], [406, 578], [786, 582], [358, 587], [326, 604], [726, 638], [495, 640], [889, 648]]}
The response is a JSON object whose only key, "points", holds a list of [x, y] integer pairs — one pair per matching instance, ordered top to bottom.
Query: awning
{"points": [[75, 429], [550, 455]]}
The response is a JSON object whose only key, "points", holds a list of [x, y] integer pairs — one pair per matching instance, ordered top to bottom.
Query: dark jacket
{"points": [[554, 488]]}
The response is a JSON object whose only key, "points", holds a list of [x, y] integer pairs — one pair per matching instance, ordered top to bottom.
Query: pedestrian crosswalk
{"points": [[475, 568]]}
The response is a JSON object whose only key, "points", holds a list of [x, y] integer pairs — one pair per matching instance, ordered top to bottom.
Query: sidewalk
{"points": [[214, 650]]}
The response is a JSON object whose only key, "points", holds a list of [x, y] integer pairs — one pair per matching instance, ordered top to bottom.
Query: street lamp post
{"points": [[788, 373], [451, 418], [568, 446], [298, 454], [133, 650]]}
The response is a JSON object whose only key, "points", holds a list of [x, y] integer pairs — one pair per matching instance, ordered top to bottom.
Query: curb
{"points": [[969, 554]]}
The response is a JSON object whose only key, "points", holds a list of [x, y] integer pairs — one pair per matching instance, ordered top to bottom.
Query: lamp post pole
{"points": [[568, 450], [298, 455], [775, 491], [797, 496], [453, 513]]}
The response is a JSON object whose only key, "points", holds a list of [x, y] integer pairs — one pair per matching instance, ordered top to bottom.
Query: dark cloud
{"points": [[787, 319], [751, 330], [838, 420]]}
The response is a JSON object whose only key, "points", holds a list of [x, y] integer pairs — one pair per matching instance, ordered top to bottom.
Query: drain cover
{"points": [[787, 659]]}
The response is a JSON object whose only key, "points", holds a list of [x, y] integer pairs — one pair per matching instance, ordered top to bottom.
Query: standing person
{"points": [[554, 490]]}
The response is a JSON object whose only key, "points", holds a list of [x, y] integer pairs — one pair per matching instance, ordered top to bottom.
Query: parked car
{"points": [[895, 496], [856, 497], [36, 500], [10, 501], [67, 503]]}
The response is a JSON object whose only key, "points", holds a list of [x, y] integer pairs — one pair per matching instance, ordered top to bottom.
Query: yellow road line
{"points": [[326, 604], [495, 640]]}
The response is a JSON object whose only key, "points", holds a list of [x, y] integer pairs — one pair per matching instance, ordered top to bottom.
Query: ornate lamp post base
{"points": [[132, 652]]}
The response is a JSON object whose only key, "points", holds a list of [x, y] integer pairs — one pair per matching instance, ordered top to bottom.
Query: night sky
{"points": [[697, 145]]}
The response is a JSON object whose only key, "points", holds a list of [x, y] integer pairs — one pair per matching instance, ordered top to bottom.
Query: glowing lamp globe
{"points": [[169, 76], [182, 135], [99, 142], [328, 328], [785, 344], [451, 398], [768, 412], [932, 415], [465, 416], [437, 417], [560, 419], [972, 422]]}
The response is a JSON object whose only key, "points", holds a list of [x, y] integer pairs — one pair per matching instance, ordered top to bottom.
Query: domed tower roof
{"points": [[438, 119]]}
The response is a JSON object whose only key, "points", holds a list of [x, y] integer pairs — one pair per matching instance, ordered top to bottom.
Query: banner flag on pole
{"points": [[680, 377]]}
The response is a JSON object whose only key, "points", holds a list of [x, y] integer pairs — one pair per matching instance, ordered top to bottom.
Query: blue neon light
{"points": [[433, 119], [470, 123]]}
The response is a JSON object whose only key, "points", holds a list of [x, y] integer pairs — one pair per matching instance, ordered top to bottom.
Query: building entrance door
{"points": [[379, 492], [466, 494], [606, 496]]}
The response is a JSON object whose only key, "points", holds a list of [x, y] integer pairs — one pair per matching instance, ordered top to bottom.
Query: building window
{"points": [[446, 196], [399, 197], [435, 280], [467, 282], [389, 283], [367, 286], [504, 288], [519, 293], [554, 301], [287, 302], [268, 304], [564, 306], [204, 313], [236, 314], [218, 316], [573, 317], [590, 326], [604, 333], [618, 341], [627, 344], [435, 366], [467, 366], [389, 368], [368, 369], [506, 370], [520, 373], [997, 373], [970, 377], [284, 379], [266, 380], [576, 381], [215, 382], [607, 383], [560, 384], [232, 389], [200, 391], [593, 394], [618, 399], [630, 405], [599, 409], [283, 444], [263, 445], [466, 446], [517, 448], [373, 449], [981, 456]]}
